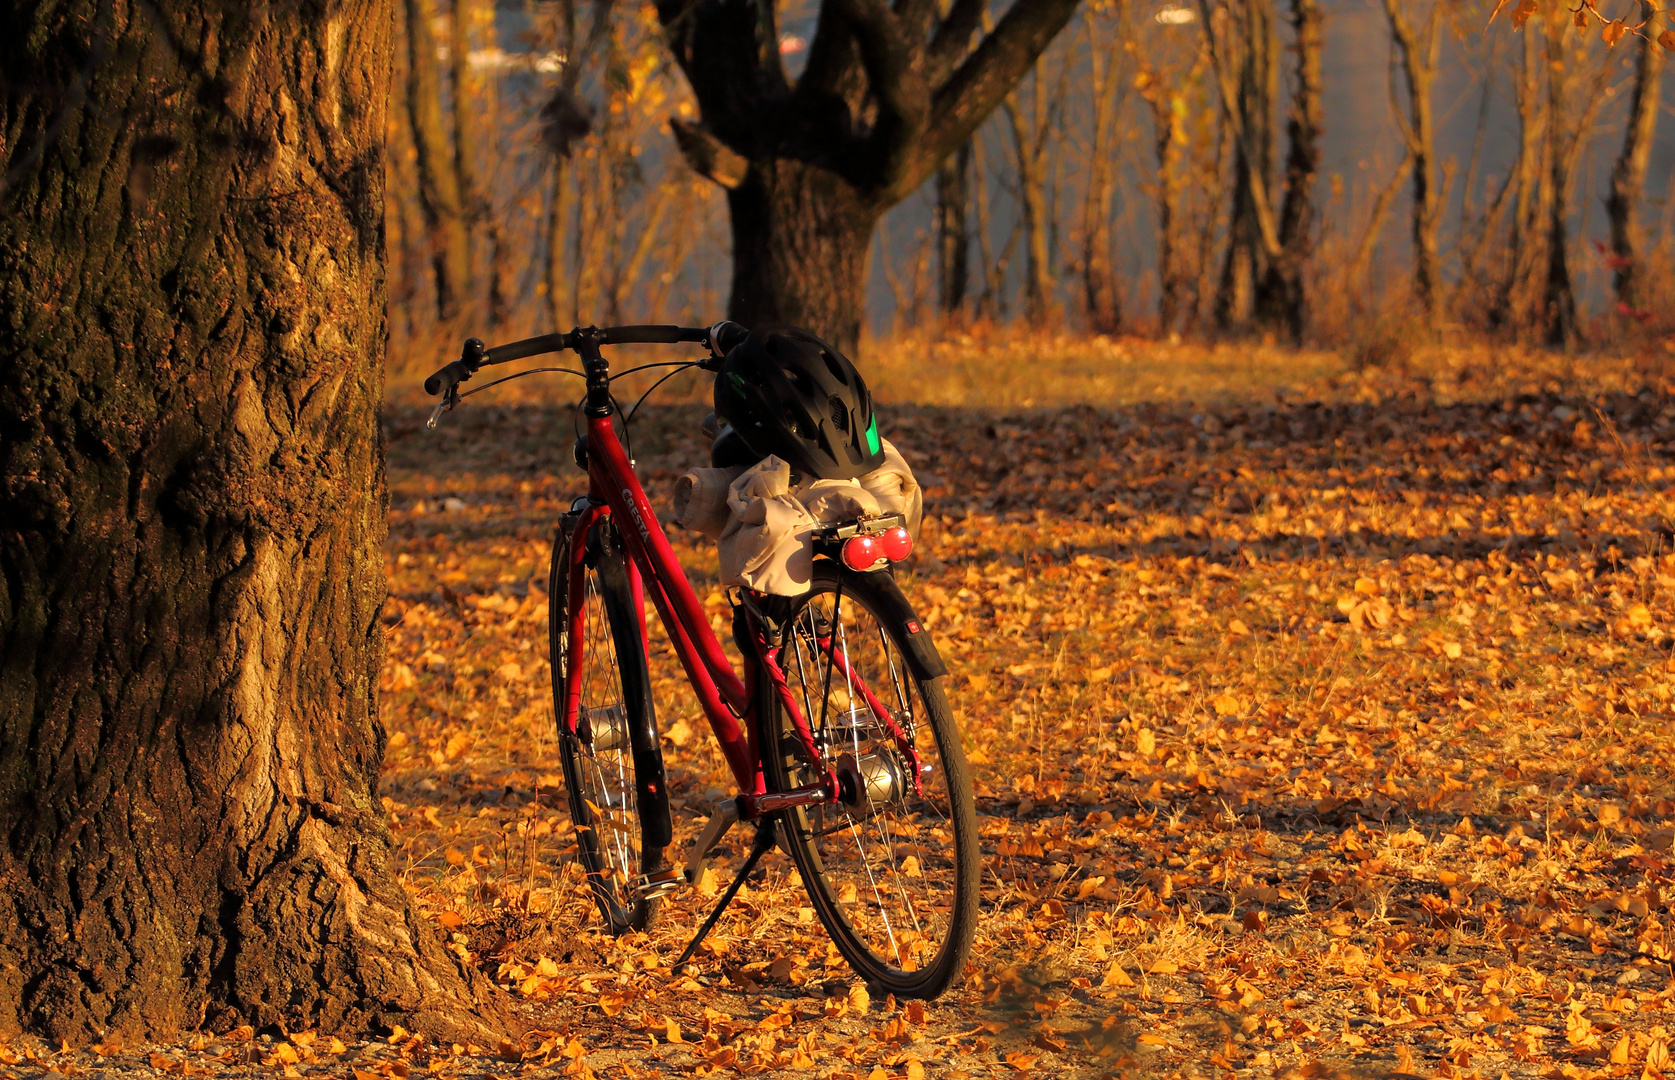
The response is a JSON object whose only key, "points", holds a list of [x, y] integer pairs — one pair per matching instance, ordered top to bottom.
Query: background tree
{"points": [[1243, 44], [1418, 45], [1109, 80], [1031, 126], [810, 165], [1628, 175], [443, 193], [953, 230], [1280, 299], [191, 312]]}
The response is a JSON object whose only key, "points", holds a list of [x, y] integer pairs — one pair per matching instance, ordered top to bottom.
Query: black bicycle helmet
{"points": [[789, 394]]}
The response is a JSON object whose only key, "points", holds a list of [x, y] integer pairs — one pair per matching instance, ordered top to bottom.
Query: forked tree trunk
{"points": [[1243, 45], [886, 93], [1569, 125], [1168, 140], [800, 240], [1515, 298], [191, 312]]}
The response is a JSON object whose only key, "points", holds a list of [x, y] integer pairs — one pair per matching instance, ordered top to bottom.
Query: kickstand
{"points": [[759, 847]]}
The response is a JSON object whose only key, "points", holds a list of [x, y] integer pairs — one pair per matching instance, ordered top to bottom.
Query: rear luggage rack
{"points": [[828, 540]]}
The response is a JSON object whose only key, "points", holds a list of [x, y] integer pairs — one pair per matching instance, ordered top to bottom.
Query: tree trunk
{"points": [[1243, 43], [1418, 48], [476, 119], [1169, 139], [1029, 143], [810, 164], [1628, 178], [439, 184], [1529, 210], [800, 240], [953, 251], [1099, 282], [1281, 301], [560, 307], [191, 311]]}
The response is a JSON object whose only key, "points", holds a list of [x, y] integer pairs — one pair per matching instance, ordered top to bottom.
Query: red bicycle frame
{"points": [[728, 701]]}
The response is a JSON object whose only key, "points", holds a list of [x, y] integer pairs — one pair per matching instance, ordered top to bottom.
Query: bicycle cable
{"points": [[683, 367], [519, 375], [628, 416]]}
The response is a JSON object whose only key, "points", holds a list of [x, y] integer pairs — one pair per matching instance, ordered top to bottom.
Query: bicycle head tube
{"points": [[598, 370]]}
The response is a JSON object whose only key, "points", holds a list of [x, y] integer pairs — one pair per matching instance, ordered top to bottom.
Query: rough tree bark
{"points": [[1418, 47], [888, 92], [1628, 175], [953, 232], [191, 312]]}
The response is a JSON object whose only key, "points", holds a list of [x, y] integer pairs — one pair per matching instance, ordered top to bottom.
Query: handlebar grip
{"points": [[535, 346], [450, 376]]}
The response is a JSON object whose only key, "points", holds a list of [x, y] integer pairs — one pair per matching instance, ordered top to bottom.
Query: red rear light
{"points": [[896, 543], [862, 553]]}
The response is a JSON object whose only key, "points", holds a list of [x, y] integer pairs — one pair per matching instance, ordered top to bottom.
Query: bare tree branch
{"points": [[952, 40], [893, 66], [986, 77]]}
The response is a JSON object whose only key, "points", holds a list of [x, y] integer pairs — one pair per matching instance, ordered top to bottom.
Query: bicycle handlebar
{"points": [[475, 355]]}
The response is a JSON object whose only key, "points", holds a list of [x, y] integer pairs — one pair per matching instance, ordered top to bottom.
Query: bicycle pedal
{"points": [[660, 882]]}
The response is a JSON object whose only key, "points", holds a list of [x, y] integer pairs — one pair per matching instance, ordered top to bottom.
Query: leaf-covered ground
{"points": [[1317, 731]]}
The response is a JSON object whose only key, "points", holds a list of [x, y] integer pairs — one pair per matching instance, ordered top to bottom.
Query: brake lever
{"points": [[449, 400]]}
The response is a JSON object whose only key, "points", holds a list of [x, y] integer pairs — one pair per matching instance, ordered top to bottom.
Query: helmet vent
{"points": [[834, 367], [840, 413]]}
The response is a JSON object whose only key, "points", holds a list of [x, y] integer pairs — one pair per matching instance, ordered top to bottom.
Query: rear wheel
{"points": [[611, 762], [891, 868]]}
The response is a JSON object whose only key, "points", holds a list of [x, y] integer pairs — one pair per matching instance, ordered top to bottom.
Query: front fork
{"points": [[586, 527]]}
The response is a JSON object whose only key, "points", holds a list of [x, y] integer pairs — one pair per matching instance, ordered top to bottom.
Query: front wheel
{"points": [[892, 868]]}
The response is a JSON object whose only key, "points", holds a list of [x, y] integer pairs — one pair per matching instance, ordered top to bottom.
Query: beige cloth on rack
{"points": [[894, 488], [701, 500], [765, 528], [768, 545]]}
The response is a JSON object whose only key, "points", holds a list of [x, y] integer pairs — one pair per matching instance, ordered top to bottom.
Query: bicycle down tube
{"points": [[725, 698]]}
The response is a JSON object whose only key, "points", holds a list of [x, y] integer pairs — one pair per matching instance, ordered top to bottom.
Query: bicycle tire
{"points": [[613, 758], [938, 827]]}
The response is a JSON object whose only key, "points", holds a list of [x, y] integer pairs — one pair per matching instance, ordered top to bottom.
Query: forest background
{"points": [[1345, 173]]}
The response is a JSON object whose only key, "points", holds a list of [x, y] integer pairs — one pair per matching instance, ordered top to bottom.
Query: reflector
{"points": [[896, 543], [862, 553]]}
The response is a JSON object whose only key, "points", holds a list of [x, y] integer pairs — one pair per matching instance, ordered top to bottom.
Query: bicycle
{"points": [[837, 732]]}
